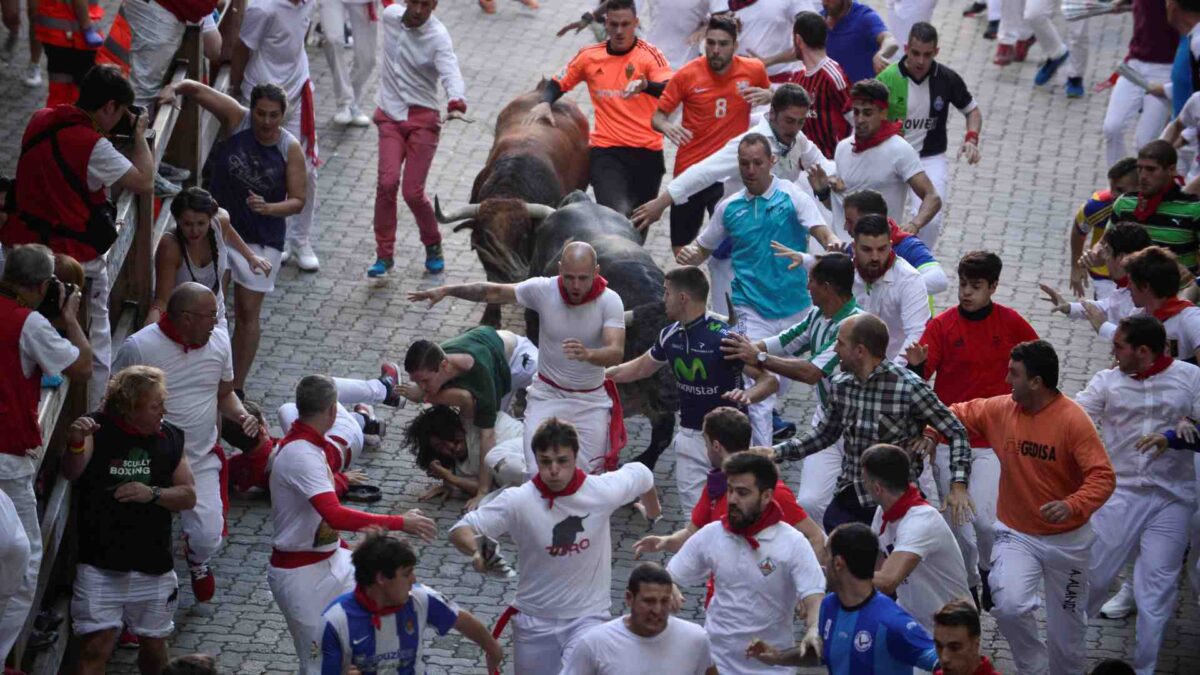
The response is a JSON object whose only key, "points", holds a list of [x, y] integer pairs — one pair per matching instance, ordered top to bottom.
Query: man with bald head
{"points": [[581, 332], [195, 354], [872, 401]]}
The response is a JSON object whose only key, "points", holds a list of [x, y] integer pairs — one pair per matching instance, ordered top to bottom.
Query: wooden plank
{"points": [[126, 226], [50, 661]]}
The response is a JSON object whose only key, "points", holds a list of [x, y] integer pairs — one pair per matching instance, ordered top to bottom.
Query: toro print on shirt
{"points": [[563, 536]]}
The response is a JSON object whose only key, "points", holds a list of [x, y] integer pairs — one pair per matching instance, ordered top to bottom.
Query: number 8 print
{"points": [[721, 108]]}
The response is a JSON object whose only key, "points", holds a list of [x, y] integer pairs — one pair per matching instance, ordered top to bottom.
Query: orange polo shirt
{"points": [[713, 107], [620, 122], [1053, 455]]}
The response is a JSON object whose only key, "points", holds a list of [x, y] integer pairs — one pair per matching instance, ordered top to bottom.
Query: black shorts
{"points": [[73, 62], [625, 178], [686, 218]]}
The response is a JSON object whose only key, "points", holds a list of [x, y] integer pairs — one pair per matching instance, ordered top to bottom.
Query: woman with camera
{"points": [[196, 250]]}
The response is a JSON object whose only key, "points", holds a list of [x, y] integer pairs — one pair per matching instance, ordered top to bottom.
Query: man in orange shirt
{"points": [[623, 76], [714, 111], [1054, 473]]}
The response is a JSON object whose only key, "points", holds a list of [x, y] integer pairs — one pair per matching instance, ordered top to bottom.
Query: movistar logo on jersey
{"points": [[690, 373]]}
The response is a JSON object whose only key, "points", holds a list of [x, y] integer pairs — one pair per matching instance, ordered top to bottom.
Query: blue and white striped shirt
{"points": [[395, 647]]}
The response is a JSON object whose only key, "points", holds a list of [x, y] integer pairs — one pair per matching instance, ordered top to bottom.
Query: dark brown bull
{"points": [[528, 171]]}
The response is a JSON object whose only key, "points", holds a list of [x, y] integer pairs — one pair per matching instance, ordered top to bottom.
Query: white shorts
{"points": [[250, 279], [523, 367], [507, 463], [302, 594], [104, 600], [541, 646]]}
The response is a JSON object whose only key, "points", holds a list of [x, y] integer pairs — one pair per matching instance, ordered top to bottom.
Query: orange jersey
{"points": [[713, 107], [620, 122], [1054, 455]]}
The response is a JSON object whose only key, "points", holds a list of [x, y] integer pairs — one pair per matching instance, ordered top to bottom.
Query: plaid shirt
{"points": [[893, 406]]}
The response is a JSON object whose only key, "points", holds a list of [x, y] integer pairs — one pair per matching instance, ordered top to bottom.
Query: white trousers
{"points": [[994, 10], [334, 14], [902, 14], [1040, 15], [1013, 26], [156, 35], [1126, 101], [939, 174], [299, 226], [720, 284], [756, 327], [100, 330], [522, 366], [590, 412], [346, 431], [507, 462], [691, 466], [818, 477], [203, 523], [1153, 525], [976, 538], [1193, 561], [1020, 564], [303, 594], [14, 609], [541, 646]]}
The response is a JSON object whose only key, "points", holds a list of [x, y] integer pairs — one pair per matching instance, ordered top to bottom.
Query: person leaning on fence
{"points": [[66, 169], [31, 346], [130, 474]]}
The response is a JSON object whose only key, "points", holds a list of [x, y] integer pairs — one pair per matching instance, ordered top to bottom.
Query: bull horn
{"points": [[470, 211], [539, 211]]}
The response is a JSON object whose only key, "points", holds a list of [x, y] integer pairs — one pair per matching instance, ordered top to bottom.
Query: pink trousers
{"points": [[406, 146]]}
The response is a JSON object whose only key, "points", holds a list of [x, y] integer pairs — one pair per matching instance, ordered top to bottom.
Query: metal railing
{"points": [[184, 136]]}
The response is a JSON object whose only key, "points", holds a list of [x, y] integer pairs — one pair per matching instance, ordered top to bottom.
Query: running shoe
{"points": [[976, 9], [993, 29], [93, 38], [1023, 47], [1004, 55], [1048, 68], [32, 76], [1074, 87], [343, 116], [358, 118], [173, 173], [164, 187], [304, 255], [434, 262], [381, 267], [389, 375], [781, 429], [204, 585], [1120, 605], [127, 640]]}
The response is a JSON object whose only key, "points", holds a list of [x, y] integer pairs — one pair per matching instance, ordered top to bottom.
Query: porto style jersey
{"points": [[874, 638]]}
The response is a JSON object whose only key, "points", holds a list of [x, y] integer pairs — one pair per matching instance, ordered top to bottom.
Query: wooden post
{"points": [[183, 148]]}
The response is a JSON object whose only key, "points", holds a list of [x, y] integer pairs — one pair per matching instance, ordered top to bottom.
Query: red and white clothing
{"points": [[363, 17], [672, 24], [766, 28], [829, 87], [885, 168], [900, 299], [1116, 306], [1180, 318], [193, 376], [570, 390], [1148, 514], [565, 550], [941, 575], [757, 588], [613, 649]]}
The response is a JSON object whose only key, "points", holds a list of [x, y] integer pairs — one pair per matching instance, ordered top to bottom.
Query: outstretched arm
{"points": [[480, 292]]}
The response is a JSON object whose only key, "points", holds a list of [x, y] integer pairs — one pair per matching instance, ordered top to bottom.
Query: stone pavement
{"points": [[1042, 154]]}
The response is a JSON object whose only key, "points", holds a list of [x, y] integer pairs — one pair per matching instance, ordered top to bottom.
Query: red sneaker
{"points": [[1023, 48], [1004, 55], [203, 583], [128, 640]]}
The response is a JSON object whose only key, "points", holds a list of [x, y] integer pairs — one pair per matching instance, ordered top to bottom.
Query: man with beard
{"points": [[887, 286], [762, 568], [649, 637]]}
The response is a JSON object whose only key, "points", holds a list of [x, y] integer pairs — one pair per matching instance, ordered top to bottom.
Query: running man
{"points": [[765, 25], [858, 38], [1151, 54], [623, 75], [824, 80], [919, 90], [1170, 215], [1092, 219], [907, 246], [887, 286]]}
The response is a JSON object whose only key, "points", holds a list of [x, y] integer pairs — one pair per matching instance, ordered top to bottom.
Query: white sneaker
{"points": [[32, 76], [344, 116], [358, 119], [286, 255], [305, 257], [1120, 605]]}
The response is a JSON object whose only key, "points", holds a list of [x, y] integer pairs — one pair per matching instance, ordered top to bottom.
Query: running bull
{"points": [[528, 171], [632, 273]]}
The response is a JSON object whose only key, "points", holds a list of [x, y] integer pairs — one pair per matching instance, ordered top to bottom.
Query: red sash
{"points": [[617, 435]]}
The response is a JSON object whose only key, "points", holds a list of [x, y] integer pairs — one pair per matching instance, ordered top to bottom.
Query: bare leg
{"points": [[247, 308], [94, 650], [152, 655]]}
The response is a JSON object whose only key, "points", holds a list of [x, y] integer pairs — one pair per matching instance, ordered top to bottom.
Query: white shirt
{"points": [[673, 22], [766, 28], [273, 31], [414, 61], [1189, 117], [105, 165], [722, 165], [885, 168], [206, 275], [900, 298], [1116, 305], [558, 321], [1183, 329], [42, 347], [193, 378], [1125, 409], [506, 429], [298, 474], [14, 548], [565, 551], [940, 577], [756, 590], [612, 649]]}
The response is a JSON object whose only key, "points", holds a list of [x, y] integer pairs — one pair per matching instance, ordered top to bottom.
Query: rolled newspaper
{"points": [[1078, 10], [1127, 72]]}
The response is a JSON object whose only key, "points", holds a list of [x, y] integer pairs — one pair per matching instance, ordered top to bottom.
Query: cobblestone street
{"points": [[1042, 155]]}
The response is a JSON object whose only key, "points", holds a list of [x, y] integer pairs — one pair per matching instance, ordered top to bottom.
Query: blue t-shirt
{"points": [[854, 41], [693, 353], [875, 638], [394, 647]]}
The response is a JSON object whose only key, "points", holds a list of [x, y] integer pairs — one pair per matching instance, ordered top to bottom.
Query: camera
{"points": [[125, 126], [56, 296]]}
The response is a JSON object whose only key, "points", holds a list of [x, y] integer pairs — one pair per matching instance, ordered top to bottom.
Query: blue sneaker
{"points": [[1048, 68], [1074, 87], [434, 262], [381, 267], [51, 381], [781, 429]]}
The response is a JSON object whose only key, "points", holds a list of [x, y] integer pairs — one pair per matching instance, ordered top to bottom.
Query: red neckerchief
{"points": [[735, 5], [886, 131], [1146, 206], [898, 235], [872, 278], [1123, 282], [598, 286], [1170, 308], [171, 331], [1160, 364], [127, 428], [302, 432], [572, 487], [911, 497], [771, 515], [365, 601]]}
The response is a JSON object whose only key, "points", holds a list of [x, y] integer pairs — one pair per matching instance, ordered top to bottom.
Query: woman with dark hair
{"points": [[195, 250]]}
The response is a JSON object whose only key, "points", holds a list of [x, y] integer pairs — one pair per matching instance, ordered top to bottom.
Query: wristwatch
{"points": [[761, 357], [155, 493]]}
